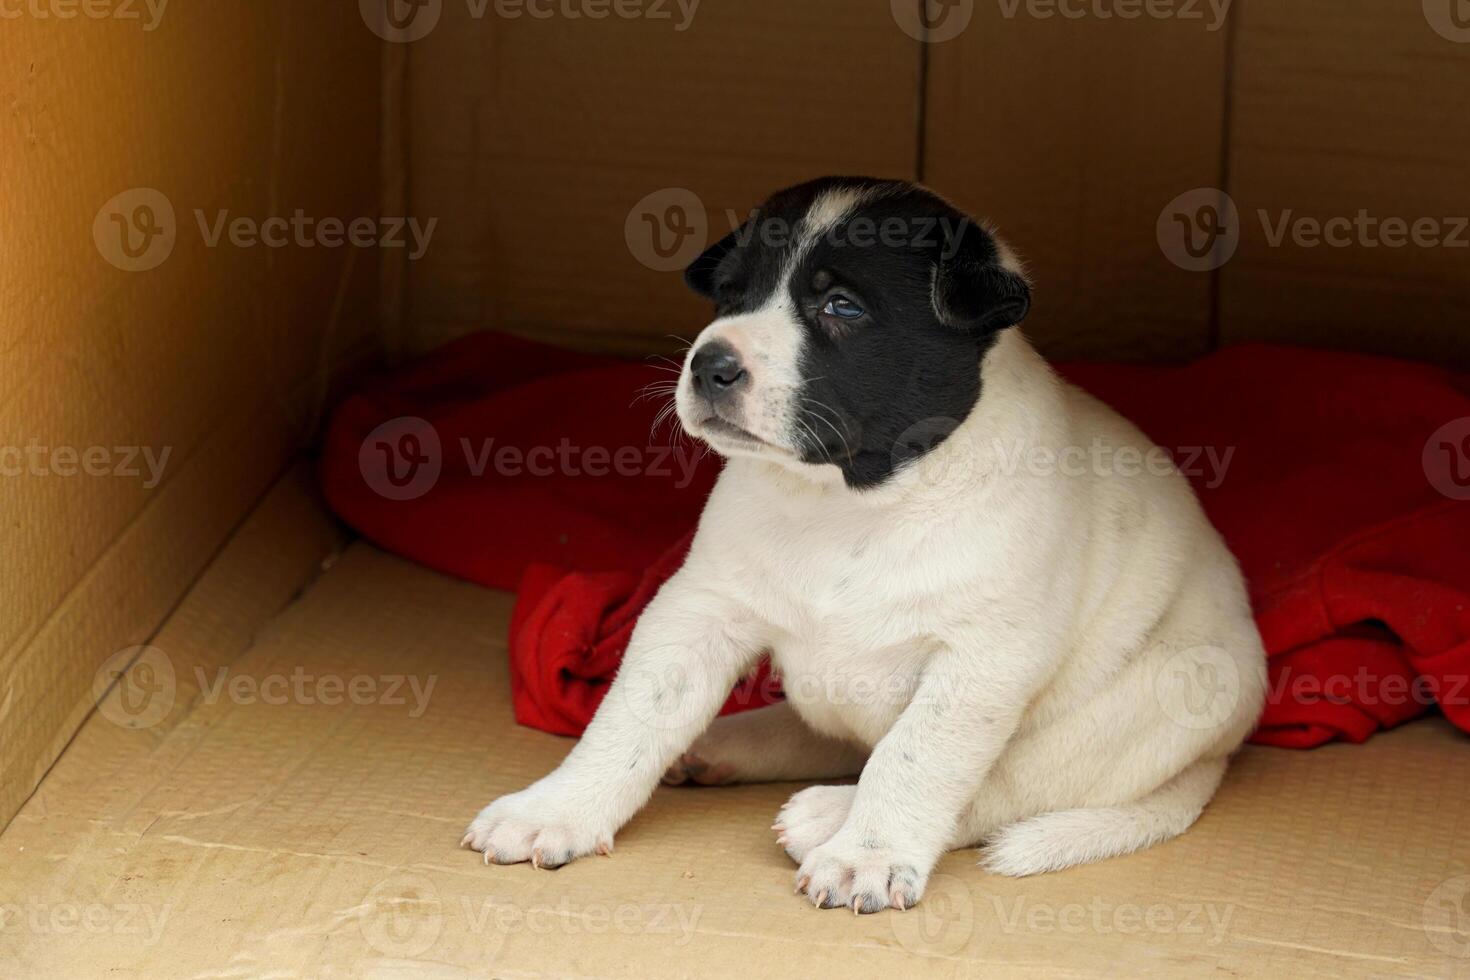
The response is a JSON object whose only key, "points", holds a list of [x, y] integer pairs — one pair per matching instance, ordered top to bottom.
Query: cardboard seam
{"points": [[158, 628], [19, 648], [177, 725]]}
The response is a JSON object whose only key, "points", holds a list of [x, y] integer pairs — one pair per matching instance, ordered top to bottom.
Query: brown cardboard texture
{"points": [[195, 370]]}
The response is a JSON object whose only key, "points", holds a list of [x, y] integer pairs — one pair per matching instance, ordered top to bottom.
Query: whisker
{"points": [[659, 389], [661, 417], [828, 422], [816, 442]]}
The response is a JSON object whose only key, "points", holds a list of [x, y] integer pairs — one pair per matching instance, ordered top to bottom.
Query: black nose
{"points": [[716, 369]]}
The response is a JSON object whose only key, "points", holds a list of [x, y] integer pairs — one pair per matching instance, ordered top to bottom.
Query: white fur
{"points": [[1013, 647]]}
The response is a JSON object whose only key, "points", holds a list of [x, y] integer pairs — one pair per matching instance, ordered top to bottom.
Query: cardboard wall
{"points": [[1342, 108], [1071, 134], [534, 140], [537, 142], [152, 392]]}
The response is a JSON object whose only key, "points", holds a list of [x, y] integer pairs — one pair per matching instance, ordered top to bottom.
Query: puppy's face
{"points": [[851, 318]]}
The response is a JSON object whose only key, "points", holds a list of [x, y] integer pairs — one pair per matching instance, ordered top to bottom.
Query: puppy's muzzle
{"points": [[717, 373]]}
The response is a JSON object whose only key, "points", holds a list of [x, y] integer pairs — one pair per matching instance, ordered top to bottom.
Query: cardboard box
{"points": [[235, 742]]}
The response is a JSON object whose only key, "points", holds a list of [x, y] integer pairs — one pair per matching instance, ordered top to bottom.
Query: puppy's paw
{"points": [[691, 767], [811, 818], [533, 826], [863, 876]]}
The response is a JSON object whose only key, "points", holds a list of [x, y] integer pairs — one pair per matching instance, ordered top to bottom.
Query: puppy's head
{"points": [[851, 316]]}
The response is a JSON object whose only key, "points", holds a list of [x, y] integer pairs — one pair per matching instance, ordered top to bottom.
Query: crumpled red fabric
{"points": [[1339, 480]]}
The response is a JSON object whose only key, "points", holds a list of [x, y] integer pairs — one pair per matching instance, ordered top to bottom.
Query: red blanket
{"points": [[1339, 480]]}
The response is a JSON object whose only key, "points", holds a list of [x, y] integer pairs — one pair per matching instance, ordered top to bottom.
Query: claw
{"points": [[466, 838], [604, 848], [486, 855], [536, 857], [802, 882], [821, 897], [895, 898], [855, 905]]}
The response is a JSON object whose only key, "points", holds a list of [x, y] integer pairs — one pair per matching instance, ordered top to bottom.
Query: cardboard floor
{"points": [[296, 810]]}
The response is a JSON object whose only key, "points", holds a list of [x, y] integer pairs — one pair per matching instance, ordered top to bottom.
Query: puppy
{"points": [[984, 591]]}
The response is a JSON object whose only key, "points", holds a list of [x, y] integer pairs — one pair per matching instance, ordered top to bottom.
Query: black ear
{"points": [[704, 272], [973, 288]]}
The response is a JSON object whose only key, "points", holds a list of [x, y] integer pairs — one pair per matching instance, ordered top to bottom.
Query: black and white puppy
{"points": [[1016, 638]]}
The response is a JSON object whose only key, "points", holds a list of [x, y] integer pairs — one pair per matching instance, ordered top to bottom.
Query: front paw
{"points": [[811, 818], [539, 827], [864, 876]]}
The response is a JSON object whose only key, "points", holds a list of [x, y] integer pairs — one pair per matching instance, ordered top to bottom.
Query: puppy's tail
{"points": [[1052, 841]]}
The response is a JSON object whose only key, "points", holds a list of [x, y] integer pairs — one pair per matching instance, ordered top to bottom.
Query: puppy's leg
{"points": [[688, 649], [761, 746], [924, 774], [1117, 774], [1052, 841]]}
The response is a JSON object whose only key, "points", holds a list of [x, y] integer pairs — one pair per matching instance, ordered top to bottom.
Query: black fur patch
{"points": [[885, 388]]}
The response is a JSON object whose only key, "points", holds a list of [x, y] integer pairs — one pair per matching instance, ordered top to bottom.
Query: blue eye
{"points": [[841, 306]]}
